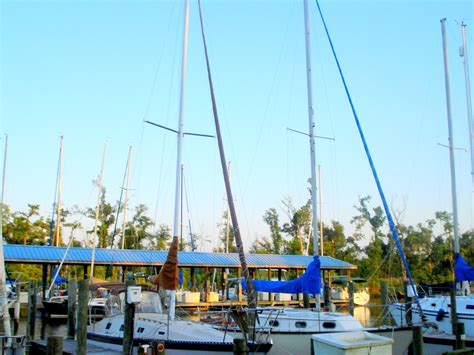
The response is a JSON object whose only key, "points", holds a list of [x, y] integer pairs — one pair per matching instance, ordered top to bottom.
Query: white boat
{"points": [[340, 291], [436, 310], [291, 329], [178, 336]]}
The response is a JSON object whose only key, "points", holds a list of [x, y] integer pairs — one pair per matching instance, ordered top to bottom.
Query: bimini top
{"points": [[35, 254]]}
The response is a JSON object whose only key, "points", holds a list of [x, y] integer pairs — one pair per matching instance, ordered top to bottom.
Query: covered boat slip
{"points": [[209, 266]]}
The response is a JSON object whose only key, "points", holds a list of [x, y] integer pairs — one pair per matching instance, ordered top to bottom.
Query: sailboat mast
{"points": [[468, 99], [451, 140], [129, 166], [60, 185], [314, 205], [97, 209], [321, 227], [227, 230], [3, 277], [252, 298]]}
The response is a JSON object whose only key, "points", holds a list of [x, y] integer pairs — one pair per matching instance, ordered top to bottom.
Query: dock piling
{"points": [[350, 287], [384, 296], [71, 308], [31, 311], [82, 313], [128, 322], [417, 340], [55, 345], [240, 346]]}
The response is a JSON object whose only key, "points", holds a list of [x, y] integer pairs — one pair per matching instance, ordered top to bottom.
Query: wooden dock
{"points": [[69, 348]]}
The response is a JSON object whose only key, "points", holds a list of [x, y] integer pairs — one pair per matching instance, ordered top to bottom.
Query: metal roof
{"points": [[35, 254]]}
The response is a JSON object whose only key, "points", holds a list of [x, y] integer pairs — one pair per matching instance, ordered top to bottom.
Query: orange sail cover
{"points": [[168, 276]]}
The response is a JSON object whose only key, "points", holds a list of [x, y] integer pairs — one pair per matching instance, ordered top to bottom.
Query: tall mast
{"points": [[468, 99], [451, 140], [312, 147], [129, 167], [177, 196], [97, 209], [321, 230], [227, 231], [57, 236], [3, 276], [252, 299], [454, 315]]}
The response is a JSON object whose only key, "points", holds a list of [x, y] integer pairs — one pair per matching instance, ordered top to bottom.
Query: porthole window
{"points": [[433, 305], [470, 306], [274, 323], [300, 324], [329, 325], [108, 326], [121, 328], [140, 330], [161, 332]]}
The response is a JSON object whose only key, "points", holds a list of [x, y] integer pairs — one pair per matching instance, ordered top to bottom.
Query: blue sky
{"points": [[93, 71]]}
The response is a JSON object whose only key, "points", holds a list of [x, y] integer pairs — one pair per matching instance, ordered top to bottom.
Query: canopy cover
{"points": [[462, 270], [309, 282]]}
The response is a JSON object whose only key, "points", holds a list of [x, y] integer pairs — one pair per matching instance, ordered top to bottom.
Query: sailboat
{"points": [[447, 310], [151, 322]]}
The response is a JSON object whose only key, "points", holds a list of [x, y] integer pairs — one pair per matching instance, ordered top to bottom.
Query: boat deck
{"points": [[69, 347]]}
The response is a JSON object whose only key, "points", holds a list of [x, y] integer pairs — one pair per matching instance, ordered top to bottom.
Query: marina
{"points": [[219, 236]]}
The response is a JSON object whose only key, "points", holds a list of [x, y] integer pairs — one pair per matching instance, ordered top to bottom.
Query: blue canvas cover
{"points": [[462, 270], [180, 277], [309, 282]]}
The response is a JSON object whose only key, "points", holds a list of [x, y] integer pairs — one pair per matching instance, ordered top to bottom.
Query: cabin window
{"points": [[433, 305], [449, 305], [470, 306], [274, 323], [300, 324], [329, 325], [108, 326], [121, 328], [140, 330], [161, 332]]}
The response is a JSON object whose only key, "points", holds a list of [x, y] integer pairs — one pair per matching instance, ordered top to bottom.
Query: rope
{"points": [[371, 163]]}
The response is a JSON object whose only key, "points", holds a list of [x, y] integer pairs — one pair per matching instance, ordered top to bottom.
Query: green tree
{"points": [[272, 220], [298, 228]]}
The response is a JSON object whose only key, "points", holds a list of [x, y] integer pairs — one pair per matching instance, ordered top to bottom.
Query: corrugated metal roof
{"points": [[53, 255]]}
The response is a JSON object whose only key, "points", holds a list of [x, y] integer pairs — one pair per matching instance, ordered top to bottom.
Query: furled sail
{"points": [[168, 277], [309, 282]]}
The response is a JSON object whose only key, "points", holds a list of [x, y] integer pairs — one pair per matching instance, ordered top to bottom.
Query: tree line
{"points": [[427, 245]]}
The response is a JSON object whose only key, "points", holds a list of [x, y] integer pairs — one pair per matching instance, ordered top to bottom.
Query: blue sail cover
{"points": [[462, 270], [309, 282]]}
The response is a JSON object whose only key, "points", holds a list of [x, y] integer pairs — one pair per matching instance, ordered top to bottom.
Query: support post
{"points": [[85, 267], [279, 274], [269, 277], [44, 280], [206, 284], [223, 284], [350, 287], [193, 288], [327, 296], [306, 300], [385, 303], [71, 308], [31, 310], [82, 313], [128, 323], [417, 340], [54, 345]]}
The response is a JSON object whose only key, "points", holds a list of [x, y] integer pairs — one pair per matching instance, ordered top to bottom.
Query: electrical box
{"points": [[134, 294]]}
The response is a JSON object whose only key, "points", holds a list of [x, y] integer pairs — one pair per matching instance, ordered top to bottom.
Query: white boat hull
{"points": [[432, 309]]}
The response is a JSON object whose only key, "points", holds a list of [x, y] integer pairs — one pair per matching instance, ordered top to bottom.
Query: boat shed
{"points": [[34, 254], [128, 259]]}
